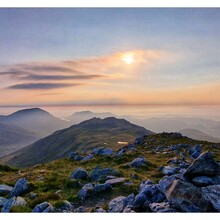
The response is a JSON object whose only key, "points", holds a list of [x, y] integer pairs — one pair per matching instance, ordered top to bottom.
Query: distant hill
{"points": [[78, 117], [35, 120], [199, 135], [82, 137], [12, 138]]}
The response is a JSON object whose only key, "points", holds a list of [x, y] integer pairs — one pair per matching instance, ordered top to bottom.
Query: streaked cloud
{"points": [[100, 69], [42, 86]]}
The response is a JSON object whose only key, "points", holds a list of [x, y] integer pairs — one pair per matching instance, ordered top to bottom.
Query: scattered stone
{"points": [[159, 148], [195, 151], [103, 152], [120, 153], [72, 155], [78, 158], [87, 158], [138, 162], [204, 165], [169, 170], [79, 173], [99, 173], [115, 181], [167, 181], [144, 184], [20, 187], [102, 187], [5, 189], [85, 191], [212, 194], [32, 196], [186, 197], [130, 199], [2, 201], [14, 201], [139, 201], [117, 204], [66, 206], [44, 207], [162, 207], [80, 209], [128, 209], [99, 210]]}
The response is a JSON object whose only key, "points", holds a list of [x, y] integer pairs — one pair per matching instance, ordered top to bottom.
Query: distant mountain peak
{"points": [[30, 111]]}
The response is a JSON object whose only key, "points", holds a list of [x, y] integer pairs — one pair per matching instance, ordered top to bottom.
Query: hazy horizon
{"points": [[136, 111]]}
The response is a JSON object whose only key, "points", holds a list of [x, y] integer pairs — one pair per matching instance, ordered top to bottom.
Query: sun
{"points": [[128, 58]]}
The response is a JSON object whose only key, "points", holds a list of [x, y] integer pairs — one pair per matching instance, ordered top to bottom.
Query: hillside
{"points": [[35, 120], [199, 135], [12, 138], [80, 138], [146, 186]]}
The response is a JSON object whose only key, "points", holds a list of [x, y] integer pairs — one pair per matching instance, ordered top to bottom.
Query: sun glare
{"points": [[128, 58]]}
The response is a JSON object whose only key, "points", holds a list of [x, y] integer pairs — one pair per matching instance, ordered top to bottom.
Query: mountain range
{"points": [[109, 132]]}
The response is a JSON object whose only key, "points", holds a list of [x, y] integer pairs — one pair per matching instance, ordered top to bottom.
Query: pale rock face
{"points": [[186, 197]]}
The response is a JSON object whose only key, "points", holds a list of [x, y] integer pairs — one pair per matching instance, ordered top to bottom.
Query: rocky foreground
{"points": [[186, 179]]}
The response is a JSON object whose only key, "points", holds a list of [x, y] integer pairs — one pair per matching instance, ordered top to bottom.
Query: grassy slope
{"points": [[56, 173]]}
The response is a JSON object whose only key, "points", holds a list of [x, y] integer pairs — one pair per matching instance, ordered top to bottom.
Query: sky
{"points": [[109, 57]]}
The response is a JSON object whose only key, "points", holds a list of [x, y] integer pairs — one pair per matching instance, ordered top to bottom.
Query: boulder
{"points": [[103, 151], [87, 158], [138, 162], [204, 165], [168, 170], [79, 173], [99, 173], [115, 181], [20, 187], [102, 188], [5, 189], [85, 191], [212, 194], [186, 197], [14, 201], [117, 204], [43, 207], [162, 207]]}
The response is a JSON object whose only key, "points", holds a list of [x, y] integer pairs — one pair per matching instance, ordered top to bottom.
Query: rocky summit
{"points": [[164, 173]]}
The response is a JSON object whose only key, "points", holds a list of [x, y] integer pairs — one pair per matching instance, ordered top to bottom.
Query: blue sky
{"points": [[186, 42]]}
